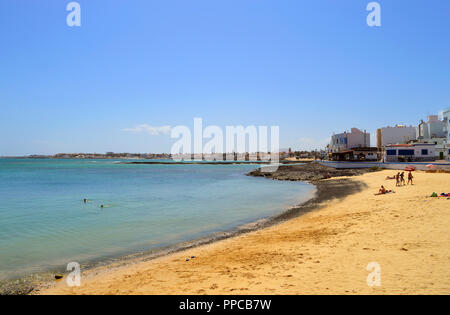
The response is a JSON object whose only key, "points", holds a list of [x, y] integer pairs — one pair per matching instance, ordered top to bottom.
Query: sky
{"points": [[135, 69]]}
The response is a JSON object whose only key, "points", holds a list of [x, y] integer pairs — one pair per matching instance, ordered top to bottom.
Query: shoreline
{"points": [[325, 191], [320, 252], [30, 282]]}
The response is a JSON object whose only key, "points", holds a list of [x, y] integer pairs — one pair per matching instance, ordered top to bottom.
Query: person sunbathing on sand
{"points": [[383, 191]]}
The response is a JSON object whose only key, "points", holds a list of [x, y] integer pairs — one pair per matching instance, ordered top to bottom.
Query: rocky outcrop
{"points": [[309, 172]]}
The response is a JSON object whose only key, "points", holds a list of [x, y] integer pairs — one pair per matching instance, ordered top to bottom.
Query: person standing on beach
{"points": [[397, 178], [410, 178], [402, 179]]}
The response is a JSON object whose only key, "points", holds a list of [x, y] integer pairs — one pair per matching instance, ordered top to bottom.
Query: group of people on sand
{"points": [[400, 177], [400, 181]]}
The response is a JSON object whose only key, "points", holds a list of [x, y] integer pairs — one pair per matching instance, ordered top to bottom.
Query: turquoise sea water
{"points": [[44, 223]]}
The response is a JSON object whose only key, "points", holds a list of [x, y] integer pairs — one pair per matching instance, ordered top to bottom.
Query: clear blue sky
{"points": [[311, 67]]}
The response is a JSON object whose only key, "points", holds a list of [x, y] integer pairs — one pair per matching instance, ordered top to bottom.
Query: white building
{"points": [[446, 116], [433, 128], [433, 131], [395, 135], [349, 140], [338, 142], [440, 150], [417, 152]]}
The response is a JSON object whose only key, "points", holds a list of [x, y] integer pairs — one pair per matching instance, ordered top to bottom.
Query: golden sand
{"points": [[323, 252]]}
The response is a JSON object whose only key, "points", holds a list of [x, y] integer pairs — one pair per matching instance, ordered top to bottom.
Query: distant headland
{"points": [[283, 155], [97, 156]]}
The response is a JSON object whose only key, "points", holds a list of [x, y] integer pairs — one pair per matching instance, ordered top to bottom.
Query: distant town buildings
{"points": [[433, 131], [428, 141], [108, 155]]}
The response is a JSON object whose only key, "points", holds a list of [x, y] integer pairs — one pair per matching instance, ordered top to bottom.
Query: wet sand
{"points": [[321, 252]]}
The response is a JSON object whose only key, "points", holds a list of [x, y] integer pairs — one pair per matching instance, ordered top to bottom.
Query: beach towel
{"points": [[385, 193]]}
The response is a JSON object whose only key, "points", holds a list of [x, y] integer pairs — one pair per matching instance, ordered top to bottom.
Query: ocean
{"points": [[45, 224]]}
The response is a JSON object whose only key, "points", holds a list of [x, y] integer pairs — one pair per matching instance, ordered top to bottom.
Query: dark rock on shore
{"points": [[309, 172], [18, 287]]}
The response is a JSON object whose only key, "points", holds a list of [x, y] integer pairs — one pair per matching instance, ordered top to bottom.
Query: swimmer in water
{"points": [[85, 200], [101, 206]]}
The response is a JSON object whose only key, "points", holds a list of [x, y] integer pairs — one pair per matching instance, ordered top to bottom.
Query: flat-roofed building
{"points": [[349, 140], [417, 152], [357, 154]]}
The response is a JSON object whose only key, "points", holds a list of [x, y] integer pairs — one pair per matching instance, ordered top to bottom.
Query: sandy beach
{"points": [[325, 251]]}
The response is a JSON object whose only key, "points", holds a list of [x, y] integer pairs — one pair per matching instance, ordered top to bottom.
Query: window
{"points": [[391, 152], [405, 152], [424, 152]]}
